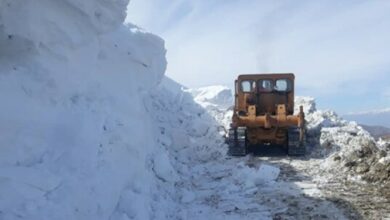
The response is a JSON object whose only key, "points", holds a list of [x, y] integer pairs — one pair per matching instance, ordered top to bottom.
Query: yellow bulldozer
{"points": [[264, 115]]}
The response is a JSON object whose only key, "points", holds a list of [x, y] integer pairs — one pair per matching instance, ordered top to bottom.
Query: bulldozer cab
{"points": [[265, 91]]}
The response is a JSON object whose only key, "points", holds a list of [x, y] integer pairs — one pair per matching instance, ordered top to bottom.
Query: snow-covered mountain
{"points": [[214, 96], [217, 100], [371, 118], [377, 131]]}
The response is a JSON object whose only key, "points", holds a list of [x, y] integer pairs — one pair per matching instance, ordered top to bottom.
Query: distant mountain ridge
{"points": [[371, 118], [378, 131]]}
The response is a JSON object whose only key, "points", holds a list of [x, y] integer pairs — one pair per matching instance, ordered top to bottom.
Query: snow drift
{"points": [[75, 135], [346, 146]]}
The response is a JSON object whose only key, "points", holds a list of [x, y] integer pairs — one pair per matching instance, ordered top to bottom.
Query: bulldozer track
{"points": [[237, 142], [295, 146]]}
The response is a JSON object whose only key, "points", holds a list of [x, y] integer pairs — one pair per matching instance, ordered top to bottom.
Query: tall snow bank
{"points": [[70, 23], [76, 140]]}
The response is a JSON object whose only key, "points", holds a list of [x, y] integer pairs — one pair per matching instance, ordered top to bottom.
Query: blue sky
{"points": [[338, 50]]}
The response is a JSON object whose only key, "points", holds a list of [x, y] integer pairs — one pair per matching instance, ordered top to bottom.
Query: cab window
{"points": [[265, 85], [282, 85], [247, 86]]}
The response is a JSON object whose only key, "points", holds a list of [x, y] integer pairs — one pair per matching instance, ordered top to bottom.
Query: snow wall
{"points": [[76, 141]]}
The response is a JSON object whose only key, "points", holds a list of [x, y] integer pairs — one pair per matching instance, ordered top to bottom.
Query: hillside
{"points": [[371, 118], [377, 131]]}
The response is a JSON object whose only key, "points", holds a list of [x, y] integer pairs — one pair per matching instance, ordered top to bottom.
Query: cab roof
{"points": [[266, 76]]}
